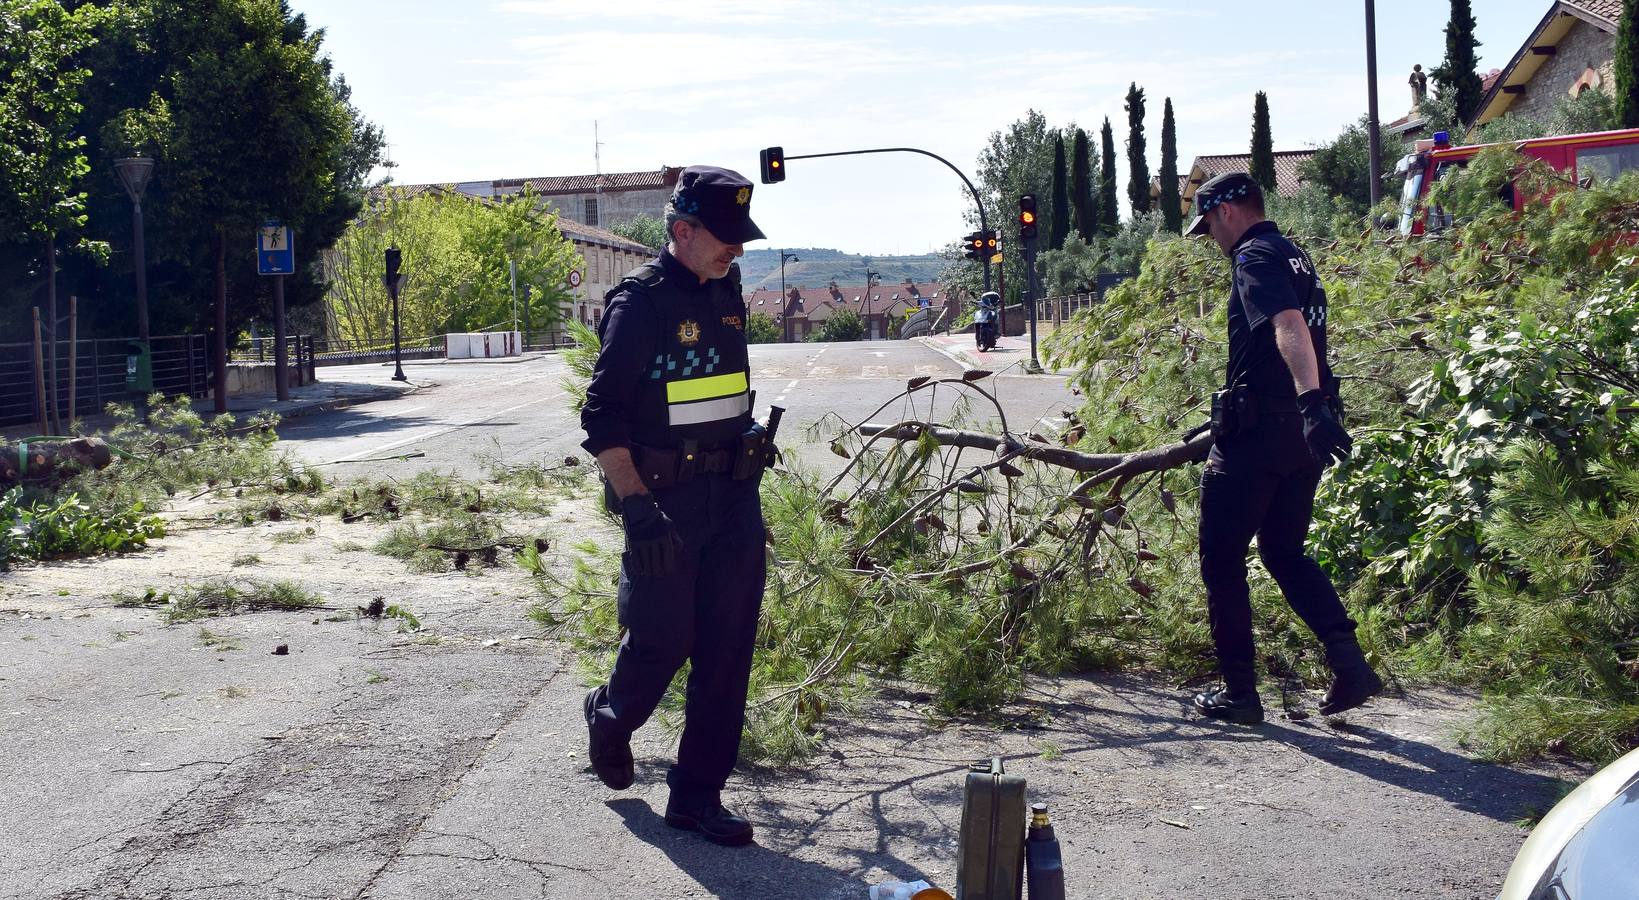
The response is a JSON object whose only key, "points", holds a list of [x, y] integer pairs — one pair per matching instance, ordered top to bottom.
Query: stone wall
{"points": [[1582, 48], [613, 206]]}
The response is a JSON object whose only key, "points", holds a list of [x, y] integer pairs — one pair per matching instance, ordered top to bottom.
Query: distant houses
{"points": [[804, 311]]}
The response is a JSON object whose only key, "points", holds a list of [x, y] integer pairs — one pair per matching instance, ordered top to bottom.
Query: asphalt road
{"points": [[520, 412], [145, 760]]}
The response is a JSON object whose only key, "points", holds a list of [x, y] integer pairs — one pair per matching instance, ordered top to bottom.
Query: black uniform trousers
{"points": [[1262, 483], [705, 613]]}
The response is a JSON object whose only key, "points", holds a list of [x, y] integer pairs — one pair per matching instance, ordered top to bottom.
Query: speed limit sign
{"points": [[574, 278]]}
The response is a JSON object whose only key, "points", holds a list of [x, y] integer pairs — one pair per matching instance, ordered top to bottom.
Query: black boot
{"points": [[1353, 681], [1242, 707], [611, 758], [714, 822]]}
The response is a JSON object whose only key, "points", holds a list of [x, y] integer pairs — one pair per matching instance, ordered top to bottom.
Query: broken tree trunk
{"points": [[51, 462]]}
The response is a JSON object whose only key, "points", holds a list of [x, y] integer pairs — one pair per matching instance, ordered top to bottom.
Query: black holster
{"points": [[1234, 411], [750, 454]]}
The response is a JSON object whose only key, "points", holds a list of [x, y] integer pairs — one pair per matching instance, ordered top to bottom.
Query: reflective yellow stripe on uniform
{"points": [[712, 399]]}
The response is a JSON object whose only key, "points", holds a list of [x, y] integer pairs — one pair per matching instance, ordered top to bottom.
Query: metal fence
{"points": [[181, 366]]}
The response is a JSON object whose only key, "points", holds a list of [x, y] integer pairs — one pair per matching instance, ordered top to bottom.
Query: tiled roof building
{"points": [[1570, 51], [1288, 177]]}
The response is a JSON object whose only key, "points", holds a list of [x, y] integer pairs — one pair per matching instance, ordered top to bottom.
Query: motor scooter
{"points": [[984, 327]]}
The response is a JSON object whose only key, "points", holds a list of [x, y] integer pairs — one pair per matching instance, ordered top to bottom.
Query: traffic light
{"points": [[773, 160], [1027, 217], [973, 245], [992, 247], [393, 258]]}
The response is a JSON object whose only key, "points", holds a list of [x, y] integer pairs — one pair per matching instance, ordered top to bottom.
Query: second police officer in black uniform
{"points": [[668, 416], [1275, 428]]}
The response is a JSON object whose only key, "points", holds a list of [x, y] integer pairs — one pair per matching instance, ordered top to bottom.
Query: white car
{"points": [[1587, 846]]}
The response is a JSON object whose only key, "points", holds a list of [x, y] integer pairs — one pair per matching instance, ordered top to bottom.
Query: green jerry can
{"points": [[139, 368], [990, 852]]}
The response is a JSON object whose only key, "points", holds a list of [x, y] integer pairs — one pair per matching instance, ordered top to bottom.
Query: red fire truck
{"points": [[1586, 158]]}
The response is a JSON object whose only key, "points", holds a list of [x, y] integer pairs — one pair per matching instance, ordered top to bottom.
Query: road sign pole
{"points": [[281, 354]]}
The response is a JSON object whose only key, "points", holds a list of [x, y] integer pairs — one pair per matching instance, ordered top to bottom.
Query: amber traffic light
{"points": [[773, 162], [1027, 217]]}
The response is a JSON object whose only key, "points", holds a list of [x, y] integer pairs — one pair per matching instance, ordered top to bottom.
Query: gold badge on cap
{"points": [[743, 197], [688, 332]]}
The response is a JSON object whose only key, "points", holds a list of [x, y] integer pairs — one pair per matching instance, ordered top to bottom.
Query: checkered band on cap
{"points": [[1220, 197]]}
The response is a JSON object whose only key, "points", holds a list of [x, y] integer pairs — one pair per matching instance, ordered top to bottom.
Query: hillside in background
{"points": [[815, 268]]}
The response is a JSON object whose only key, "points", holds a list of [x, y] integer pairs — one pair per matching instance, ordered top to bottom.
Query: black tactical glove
{"points": [[1325, 435], [652, 540]]}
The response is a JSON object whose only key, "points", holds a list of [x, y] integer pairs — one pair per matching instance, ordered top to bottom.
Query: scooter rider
{"points": [[984, 318]]}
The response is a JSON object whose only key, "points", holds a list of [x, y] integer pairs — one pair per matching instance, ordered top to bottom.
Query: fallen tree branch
{"points": [[1137, 462]]}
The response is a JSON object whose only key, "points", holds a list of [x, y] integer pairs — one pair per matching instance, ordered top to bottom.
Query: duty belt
{"points": [[661, 468]]}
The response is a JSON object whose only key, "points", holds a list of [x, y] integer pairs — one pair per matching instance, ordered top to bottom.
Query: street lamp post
{"points": [[1374, 140], [134, 174], [870, 279], [785, 313]]}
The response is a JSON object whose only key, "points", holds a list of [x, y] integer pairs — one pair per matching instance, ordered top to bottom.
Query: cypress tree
{"points": [[1627, 66], [1459, 73], [1262, 168], [1138, 181], [1083, 204], [1109, 214], [1172, 214], [1059, 227]]}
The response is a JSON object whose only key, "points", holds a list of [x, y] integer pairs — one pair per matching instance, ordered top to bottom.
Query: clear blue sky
{"points": [[511, 88]]}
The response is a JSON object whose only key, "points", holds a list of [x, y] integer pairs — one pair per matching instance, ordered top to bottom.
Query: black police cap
{"points": [[1218, 191], [721, 199]]}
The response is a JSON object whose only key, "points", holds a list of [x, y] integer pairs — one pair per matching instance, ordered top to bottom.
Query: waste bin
{"points": [[139, 368]]}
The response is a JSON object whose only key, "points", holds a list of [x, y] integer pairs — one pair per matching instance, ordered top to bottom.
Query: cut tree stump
{"points": [[51, 462]]}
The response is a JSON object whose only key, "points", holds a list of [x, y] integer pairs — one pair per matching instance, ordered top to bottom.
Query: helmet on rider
{"points": [[990, 298]]}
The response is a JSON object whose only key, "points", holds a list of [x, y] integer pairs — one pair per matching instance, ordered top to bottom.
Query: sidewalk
{"points": [[1011, 354], [338, 386]]}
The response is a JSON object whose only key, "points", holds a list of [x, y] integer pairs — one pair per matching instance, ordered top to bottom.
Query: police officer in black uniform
{"points": [[668, 416], [1275, 428]]}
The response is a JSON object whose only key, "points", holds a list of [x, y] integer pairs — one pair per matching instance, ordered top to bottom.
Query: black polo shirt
{"points": [[1272, 275]]}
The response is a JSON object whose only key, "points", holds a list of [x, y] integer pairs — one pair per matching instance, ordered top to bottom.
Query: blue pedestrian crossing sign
{"points": [[274, 253]]}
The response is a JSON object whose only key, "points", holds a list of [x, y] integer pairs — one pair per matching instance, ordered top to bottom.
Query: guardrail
{"points": [[181, 366]]}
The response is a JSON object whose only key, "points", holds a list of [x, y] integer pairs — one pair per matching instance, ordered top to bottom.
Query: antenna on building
{"points": [[597, 159]]}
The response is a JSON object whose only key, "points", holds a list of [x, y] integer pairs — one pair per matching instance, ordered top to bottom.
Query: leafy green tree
{"points": [[1627, 66], [158, 67], [1458, 75], [1263, 145], [42, 146], [1015, 162], [1342, 167], [1138, 181], [1061, 195], [1083, 199], [1108, 211], [1172, 212], [644, 229], [457, 253], [1072, 269], [843, 325], [762, 329]]}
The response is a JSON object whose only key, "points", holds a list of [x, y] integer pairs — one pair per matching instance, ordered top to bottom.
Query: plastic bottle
{"points": [[1044, 865], [897, 890]]}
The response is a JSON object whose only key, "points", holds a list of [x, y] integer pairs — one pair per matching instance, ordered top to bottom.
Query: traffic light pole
{"points": [[984, 221], [1030, 292]]}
